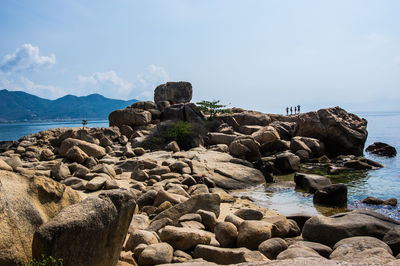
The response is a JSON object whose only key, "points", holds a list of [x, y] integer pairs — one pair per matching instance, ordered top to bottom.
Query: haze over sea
{"points": [[382, 183]]}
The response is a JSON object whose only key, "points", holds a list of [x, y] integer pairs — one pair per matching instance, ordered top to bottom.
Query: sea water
{"points": [[383, 183]]}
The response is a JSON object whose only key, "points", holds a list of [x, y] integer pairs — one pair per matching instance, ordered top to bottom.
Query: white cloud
{"points": [[27, 58], [23, 84], [111, 85]]}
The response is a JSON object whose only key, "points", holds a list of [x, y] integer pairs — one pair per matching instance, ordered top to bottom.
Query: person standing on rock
{"points": [[295, 109], [298, 109], [287, 110], [291, 110]]}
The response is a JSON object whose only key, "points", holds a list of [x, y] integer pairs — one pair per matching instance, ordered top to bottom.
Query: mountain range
{"points": [[18, 106]]}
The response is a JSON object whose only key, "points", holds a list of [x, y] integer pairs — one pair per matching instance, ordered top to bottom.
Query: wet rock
{"points": [[382, 149], [357, 165], [311, 183], [333, 195], [376, 201], [94, 228], [330, 230], [272, 247], [156, 254]]}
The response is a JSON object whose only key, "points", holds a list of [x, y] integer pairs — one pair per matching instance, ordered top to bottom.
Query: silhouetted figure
{"points": [[295, 109], [298, 109], [287, 110], [291, 111]]}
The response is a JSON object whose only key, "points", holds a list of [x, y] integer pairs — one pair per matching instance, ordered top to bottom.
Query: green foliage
{"points": [[212, 108], [179, 131], [49, 261]]}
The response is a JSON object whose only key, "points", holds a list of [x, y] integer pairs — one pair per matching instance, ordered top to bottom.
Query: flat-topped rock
{"points": [[174, 92]]}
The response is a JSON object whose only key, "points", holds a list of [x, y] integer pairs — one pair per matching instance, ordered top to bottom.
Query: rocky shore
{"points": [[154, 188]]}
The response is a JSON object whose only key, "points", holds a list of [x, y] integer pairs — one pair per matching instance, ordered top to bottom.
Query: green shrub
{"points": [[212, 108], [181, 132], [49, 261]]}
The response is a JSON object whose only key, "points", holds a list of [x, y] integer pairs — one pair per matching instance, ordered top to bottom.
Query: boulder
{"points": [[174, 92], [144, 105], [188, 112], [129, 116], [251, 118], [341, 132], [265, 135], [214, 138], [297, 145], [172, 146], [275, 146], [316, 146], [246, 148], [90, 149], [382, 149], [75, 154], [46, 155], [287, 162], [357, 165], [5, 166], [60, 171], [96, 183], [311, 183], [332, 195], [376, 201], [207, 202], [25, 204], [249, 214], [209, 219], [280, 224], [95, 228], [294, 229], [330, 230], [253, 233], [226, 234], [140, 237], [184, 238], [392, 238], [272, 247], [362, 249], [322, 250], [298, 252], [155, 254], [225, 255]]}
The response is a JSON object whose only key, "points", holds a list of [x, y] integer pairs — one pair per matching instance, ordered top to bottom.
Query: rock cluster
{"points": [[93, 196]]}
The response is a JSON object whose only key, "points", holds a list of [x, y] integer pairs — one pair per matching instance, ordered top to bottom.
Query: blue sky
{"points": [[260, 55]]}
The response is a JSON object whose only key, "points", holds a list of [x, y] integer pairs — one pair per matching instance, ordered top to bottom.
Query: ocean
{"points": [[382, 183]]}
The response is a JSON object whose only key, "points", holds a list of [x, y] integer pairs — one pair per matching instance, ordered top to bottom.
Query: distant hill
{"points": [[17, 106]]}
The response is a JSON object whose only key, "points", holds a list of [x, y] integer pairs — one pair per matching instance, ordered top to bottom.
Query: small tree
{"points": [[212, 108], [84, 123]]}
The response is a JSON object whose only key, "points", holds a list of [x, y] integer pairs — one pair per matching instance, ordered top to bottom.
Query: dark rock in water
{"points": [[174, 92], [183, 112], [130, 117], [341, 132], [382, 149], [357, 165], [311, 183], [333, 195], [376, 201], [329, 230], [88, 233]]}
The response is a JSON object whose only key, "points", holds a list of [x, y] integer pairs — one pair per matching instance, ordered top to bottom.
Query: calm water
{"points": [[18, 130], [382, 183]]}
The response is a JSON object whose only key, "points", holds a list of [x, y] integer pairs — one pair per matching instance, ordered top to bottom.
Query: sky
{"points": [[261, 55]]}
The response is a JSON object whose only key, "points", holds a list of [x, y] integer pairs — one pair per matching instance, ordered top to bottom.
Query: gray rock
{"points": [[173, 92], [129, 116], [287, 162], [60, 171], [96, 183], [311, 183], [333, 195], [249, 214], [95, 228], [330, 230], [140, 237], [392, 238], [322, 250], [297, 252]]}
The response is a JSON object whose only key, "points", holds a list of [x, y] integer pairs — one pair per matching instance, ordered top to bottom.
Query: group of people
{"points": [[296, 110]]}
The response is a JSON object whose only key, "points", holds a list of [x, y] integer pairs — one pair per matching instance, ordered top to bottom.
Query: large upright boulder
{"points": [[174, 92], [188, 112], [129, 116], [340, 131], [25, 204], [329, 230], [91, 232]]}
